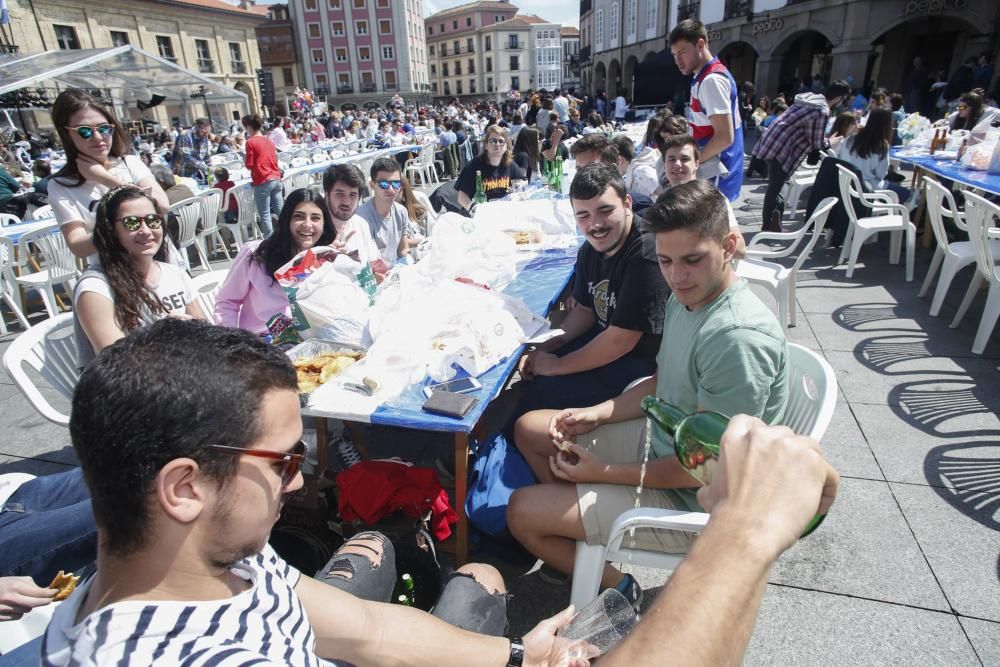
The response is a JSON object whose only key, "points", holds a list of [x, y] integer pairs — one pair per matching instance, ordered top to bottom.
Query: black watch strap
{"points": [[516, 652]]}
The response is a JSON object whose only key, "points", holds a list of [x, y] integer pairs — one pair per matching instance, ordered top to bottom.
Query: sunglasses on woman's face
{"points": [[962, 107], [87, 131], [497, 142], [385, 185], [133, 222]]}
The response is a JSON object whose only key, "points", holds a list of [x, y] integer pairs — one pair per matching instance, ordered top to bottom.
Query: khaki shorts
{"points": [[601, 504]]}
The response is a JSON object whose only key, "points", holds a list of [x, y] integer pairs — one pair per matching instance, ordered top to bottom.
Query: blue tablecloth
{"points": [[950, 169], [538, 283]]}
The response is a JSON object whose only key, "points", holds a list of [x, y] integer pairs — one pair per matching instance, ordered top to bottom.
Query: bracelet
{"points": [[516, 652]]}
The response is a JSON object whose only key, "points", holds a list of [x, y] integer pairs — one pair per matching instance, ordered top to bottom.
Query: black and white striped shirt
{"points": [[264, 625]]}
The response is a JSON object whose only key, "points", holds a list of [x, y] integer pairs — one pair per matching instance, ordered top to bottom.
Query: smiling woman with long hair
{"points": [[98, 158], [496, 164], [134, 284], [250, 295]]}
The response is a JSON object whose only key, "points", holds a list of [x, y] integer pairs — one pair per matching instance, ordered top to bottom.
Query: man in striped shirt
{"points": [[787, 141], [189, 435]]}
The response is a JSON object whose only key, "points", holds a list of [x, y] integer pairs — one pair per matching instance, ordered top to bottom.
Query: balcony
{"points": [[737, 8], [689, 10], [548, 44], [513, 45], [9, 48], [584, 54], [206, 66], [239, 67], [390, 87], [369, 88], [345, 89], [322, 91]]}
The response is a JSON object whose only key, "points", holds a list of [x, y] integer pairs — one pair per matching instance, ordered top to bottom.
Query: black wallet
{"points": [[449, 404]]}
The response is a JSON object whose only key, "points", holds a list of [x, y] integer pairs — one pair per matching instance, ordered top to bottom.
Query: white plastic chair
{"points": [[802, 178], [295, 180], [211, 205], [42, 212], [188, 212], [432, 215], [9, 219], [983, 219], [896, 220], [245, 227], [949, 257], [58, 265], [778, 279], [8, 286], [206, 286], [50, 348], [812, 397]]}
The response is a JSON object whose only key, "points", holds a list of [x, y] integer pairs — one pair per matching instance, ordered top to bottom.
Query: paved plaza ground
{"points": [[906, 568]]}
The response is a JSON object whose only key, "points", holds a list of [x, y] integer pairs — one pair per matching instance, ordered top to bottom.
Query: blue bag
{"points": [[498, 471]]}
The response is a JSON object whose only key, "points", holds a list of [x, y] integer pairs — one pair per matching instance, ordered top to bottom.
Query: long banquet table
{"points": [[540, 280]]}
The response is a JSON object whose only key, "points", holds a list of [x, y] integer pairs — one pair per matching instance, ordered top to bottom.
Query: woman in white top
{"points": [[868, 150], [97, 159], [134, 284]]}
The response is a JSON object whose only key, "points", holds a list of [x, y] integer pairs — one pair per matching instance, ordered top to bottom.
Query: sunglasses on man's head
{"points": [[87, 131], [385, 185], [133, 222], [291, 461]]}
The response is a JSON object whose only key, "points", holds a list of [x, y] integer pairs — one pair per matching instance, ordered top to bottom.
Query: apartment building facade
{"points": [[569, 37], [361, 51], [278, 55]]}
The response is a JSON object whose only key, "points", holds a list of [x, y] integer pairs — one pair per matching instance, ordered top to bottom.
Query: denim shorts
{"points": [[463, 603]]}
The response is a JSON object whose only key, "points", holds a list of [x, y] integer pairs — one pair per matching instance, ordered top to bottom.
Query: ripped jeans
{"points": [[365, 567]]}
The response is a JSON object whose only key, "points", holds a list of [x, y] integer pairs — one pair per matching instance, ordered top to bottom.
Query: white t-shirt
{"points": [[621, 107], [79, 203], [386, 232], [361, 240], [174, 291], [265, 624]]}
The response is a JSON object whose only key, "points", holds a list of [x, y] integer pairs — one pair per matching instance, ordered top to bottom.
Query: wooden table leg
{"points": [[461, 480]]}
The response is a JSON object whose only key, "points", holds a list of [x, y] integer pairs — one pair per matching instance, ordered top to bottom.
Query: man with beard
{"points": [[344, 186]]}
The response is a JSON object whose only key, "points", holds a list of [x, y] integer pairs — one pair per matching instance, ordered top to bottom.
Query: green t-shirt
{"points": [[729, 356]]}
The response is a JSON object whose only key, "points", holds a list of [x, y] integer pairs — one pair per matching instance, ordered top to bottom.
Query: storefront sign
{"points": [[933, 6], [771, 25], [714, 36]]}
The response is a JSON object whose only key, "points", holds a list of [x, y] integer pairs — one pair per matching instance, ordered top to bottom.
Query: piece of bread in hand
{"points": [[65, 584]]}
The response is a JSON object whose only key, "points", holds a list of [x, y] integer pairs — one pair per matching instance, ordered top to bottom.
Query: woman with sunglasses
{"points": [[970, 109], [98, 158], [495, 163], [133, 284], [250, 295]]}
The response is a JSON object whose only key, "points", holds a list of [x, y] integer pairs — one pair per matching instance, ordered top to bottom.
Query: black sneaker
{"points": [[552, 576], [632, 591]]}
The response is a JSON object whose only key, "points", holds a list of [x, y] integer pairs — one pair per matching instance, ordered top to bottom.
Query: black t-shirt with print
{"points": [[496, 180], [625, 290]]}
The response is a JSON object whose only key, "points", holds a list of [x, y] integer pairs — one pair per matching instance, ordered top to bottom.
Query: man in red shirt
{"points": [[262, 161]]}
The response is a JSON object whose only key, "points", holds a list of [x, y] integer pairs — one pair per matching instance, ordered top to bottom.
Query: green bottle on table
{"points": [[480, 196], [696, 440]]}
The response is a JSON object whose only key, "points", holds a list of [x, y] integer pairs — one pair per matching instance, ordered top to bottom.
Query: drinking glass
{"points": [[601, 625]]}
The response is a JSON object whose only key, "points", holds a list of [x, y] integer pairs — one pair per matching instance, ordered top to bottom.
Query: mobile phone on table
{"points": [[460, 386]]}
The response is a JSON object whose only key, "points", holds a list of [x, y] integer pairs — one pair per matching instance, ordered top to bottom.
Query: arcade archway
{"points": [[807, 54], [741, 60], [600, 78], [614, 78]]}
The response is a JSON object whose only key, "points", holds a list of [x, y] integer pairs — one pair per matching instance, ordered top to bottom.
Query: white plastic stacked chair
{"points": [[802, 178], [296, 179], [211, 203], [43, 212], [188, 212], [891, 216], [8, 219], [983, 219], [245, 228], [949, 257], [56, 261], [780, 280], [8, 285], [206, 286], [50, 349], [812, 396]]}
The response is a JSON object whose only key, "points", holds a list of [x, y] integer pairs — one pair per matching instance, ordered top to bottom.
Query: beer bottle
{"points": [[934, 141], [480, 195], [696, 440], [404, 600]]}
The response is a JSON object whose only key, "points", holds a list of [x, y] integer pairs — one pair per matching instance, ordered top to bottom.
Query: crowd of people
{"points": [[187, 424]]}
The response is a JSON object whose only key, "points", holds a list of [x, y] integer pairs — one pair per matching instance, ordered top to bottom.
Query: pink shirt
{"points": [[249, 296]]}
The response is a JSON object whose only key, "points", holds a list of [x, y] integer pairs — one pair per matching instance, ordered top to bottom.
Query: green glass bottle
{"points": [[558, 168], [480, 196], [696, 440], [407, 584], [404, 600]]}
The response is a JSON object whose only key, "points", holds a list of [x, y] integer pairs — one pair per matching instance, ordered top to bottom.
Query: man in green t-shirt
{"points": [[722, 350]]}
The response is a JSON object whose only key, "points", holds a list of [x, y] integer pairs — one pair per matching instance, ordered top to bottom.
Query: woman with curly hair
{"points": [[134, 284], [250, 294]]}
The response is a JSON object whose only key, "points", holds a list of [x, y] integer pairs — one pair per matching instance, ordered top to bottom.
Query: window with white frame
{"points": [[651, 8], [631, 19], [384, 26], [361, 27], [613, 27], [337, 28], [313, 30], [599, 31], [364, 53], [387, 53], [317, 55], [340, 55]]}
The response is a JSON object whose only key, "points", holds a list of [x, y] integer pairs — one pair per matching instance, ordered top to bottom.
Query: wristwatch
{"points": [[516, 652]]}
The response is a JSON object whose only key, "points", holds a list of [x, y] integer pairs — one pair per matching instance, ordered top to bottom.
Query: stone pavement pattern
{"points": [[906, 568]]}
